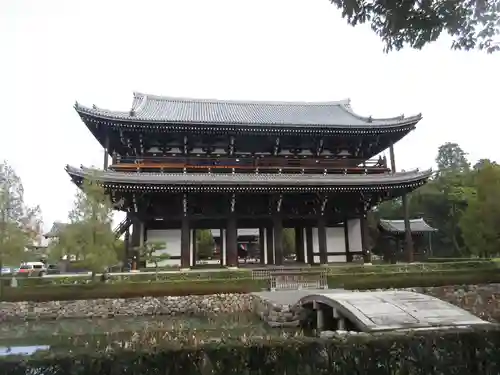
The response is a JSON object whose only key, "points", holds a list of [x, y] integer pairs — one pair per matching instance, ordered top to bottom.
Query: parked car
{"points": [[32, 269], [53, 269], [6, 270]]}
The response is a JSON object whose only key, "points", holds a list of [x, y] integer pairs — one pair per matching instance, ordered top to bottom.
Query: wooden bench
{"points": [[297, 280]]}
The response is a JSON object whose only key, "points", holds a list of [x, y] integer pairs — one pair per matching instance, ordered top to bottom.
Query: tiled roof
{"points": [[162, 109], [250, 179], [398, 226], [56, 229]]}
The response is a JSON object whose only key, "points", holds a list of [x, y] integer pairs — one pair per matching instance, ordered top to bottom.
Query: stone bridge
{"points": [[340, 310]]}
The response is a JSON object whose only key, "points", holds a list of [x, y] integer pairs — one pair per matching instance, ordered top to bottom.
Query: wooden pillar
{"points": [[106, 150], [391, 156], [185, 235], [408, 237], [278, 239], [232, 241], [126, 242], [185, 243], [299, 244], [270, 245], [309, 245], [194, 246], [222, 246], [262, 246], [348, 255], [323, 257], [367, 258]]}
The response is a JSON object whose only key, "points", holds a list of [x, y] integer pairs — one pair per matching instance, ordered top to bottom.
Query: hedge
{"points": [[416, 267], [246, 273], [131, 277], [413, 279], [201, 287], [130, 290], [459, 352]]}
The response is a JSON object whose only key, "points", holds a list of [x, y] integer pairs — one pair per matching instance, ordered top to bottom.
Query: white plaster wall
{"points": [[354, 232], [172, 240], [335, 240], [315, 241], [335, 243], [337, 258]]}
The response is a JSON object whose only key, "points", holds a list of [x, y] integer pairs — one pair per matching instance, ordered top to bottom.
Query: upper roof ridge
{"points": [[180, 99]]}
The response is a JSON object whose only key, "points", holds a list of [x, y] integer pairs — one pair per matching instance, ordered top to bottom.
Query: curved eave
{"points": [[124, 119], [253, 182]]}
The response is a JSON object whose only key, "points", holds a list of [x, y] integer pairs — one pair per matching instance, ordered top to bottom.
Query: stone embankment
{"points": [[481, 300], [109, 308]]}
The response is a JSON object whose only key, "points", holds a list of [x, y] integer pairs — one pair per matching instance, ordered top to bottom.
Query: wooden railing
{"points": [[286, 165]]}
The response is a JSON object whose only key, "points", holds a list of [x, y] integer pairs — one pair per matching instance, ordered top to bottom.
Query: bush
{"points": [[458, 260], [414, 267], [132, 277], [413, 279], [130, 290], [460, 352]]}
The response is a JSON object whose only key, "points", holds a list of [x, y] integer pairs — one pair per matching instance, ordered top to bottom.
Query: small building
{"points": [[393, 238]]}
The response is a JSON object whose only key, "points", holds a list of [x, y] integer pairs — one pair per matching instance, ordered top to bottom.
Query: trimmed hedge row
{"points": [[415, 267], [246, 273], [132, 277], [399, 280], [214, 286], [130, 290], [456, 352]]}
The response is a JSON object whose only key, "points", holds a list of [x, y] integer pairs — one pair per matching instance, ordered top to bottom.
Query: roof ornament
{"points": [[76, 104], [94, 106], [131, 112], [402, 116], [370, 119]]}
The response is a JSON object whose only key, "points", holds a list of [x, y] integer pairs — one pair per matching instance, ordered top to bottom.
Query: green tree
{"points": [[473, 24], [452, 158], [480, 222], [19, 224], [89, 235], [204, 244], [151, 252]]}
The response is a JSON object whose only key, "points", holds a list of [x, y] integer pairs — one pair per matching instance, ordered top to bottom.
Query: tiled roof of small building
{"points": [[163, 109], [398, 226], [56, 229]]}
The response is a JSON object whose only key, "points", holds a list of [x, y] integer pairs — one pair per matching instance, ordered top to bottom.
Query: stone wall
{"points": [[108, 308]]}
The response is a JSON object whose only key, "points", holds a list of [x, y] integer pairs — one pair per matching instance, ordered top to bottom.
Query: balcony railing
{"points": [[263, 164]]}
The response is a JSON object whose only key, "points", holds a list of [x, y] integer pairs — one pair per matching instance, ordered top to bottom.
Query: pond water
{"points": [[131, 332]]}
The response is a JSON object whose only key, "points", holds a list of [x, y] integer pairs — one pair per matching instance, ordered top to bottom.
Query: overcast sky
{"points": [[54, 52]]}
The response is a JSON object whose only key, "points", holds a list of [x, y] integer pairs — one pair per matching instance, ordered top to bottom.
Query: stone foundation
{"points": [[481, 300], [147, 306]]}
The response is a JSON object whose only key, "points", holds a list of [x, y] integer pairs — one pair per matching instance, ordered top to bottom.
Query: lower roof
{"points": [[251, 181], [398, 226]]}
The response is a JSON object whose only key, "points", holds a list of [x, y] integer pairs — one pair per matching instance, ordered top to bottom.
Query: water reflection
{"points": [[131, 333]]}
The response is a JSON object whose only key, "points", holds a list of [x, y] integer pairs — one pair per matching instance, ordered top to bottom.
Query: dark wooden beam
{"points": [[408, 236], [232, 241], [185, 243], [299, 244], [270, 245], [309, 245], [262, 246], [348, 254], [323, 258]]}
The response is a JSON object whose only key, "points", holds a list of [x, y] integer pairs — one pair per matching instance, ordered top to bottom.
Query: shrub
{"points": [[413, 279], [130, 290], [460, 352]]}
